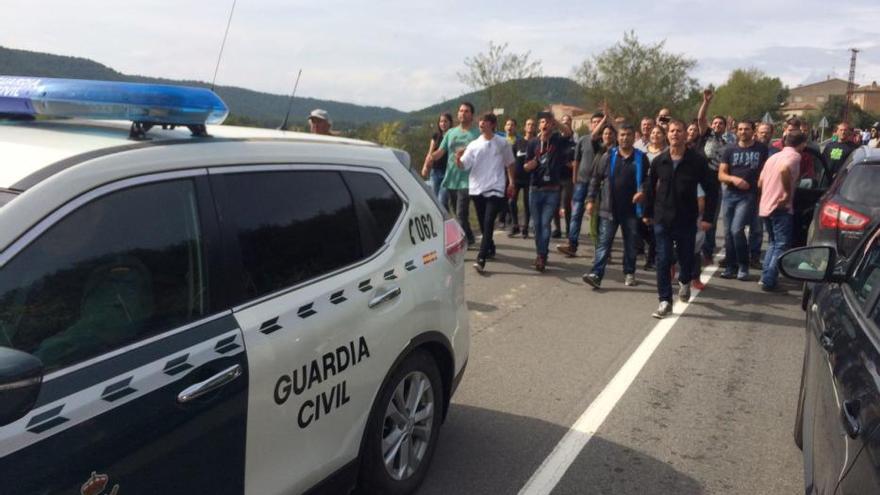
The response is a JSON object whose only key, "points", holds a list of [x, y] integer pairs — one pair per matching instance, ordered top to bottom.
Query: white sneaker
{"points": [[630, 280], [684, 292], [664, 310]]}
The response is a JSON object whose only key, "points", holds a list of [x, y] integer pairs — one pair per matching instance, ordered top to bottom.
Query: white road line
{"points": [[581, 432]]}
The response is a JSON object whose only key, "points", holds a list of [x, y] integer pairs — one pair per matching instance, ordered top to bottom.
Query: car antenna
{"points": [[223, 44], [290, 101]]}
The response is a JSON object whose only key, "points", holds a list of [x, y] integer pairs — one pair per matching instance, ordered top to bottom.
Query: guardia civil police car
{"points": [[189, 308]]}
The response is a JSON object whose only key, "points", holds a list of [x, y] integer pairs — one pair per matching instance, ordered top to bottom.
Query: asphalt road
{"points": [[710, 412]]}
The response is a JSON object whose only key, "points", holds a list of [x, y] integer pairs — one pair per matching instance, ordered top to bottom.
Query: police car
{"points": [[191, 308]]}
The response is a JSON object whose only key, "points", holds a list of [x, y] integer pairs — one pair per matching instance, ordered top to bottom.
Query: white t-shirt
{"points": [[487, 161]]}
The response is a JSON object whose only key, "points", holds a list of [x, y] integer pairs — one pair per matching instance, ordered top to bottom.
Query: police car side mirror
{"points": [[21, 376]]}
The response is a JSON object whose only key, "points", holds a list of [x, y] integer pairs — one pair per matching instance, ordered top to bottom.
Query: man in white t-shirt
{"points": [[488, 158]]}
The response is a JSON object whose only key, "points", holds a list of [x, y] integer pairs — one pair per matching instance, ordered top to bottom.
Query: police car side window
{"points": [[380, 199], [291, 226], [118, 269]]}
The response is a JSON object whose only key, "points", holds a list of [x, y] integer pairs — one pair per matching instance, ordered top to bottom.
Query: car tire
{"points": [[403, 426]]}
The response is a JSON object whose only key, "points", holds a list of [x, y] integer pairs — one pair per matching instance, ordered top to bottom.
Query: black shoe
{"points": [[514, 231], [557, 234], [756, 264], [480, 266], [649, 267], [728, 275], [592, 279]]}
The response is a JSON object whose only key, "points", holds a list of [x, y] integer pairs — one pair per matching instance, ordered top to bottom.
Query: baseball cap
{"points": [[320, 114]]}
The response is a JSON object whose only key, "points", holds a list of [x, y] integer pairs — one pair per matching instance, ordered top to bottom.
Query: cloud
{"points": [[405, 53]]}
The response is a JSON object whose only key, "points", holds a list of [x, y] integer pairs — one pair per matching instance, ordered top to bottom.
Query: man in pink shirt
{"points": [[777, 184]]}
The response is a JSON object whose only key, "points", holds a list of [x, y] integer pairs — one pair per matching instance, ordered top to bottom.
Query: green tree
{"points": [[498, 72], [638, 79], [749, 94]]}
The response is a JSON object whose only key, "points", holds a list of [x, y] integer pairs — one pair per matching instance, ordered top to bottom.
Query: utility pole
{"points": [[852, 84]]}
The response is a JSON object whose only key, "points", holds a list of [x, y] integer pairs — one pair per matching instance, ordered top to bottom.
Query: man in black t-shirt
{"points": [[837, 152], [546, 159], [740, 167], [582, 172], [521, 177]]}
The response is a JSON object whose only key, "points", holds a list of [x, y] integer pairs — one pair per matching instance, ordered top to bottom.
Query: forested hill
{"points": [[541, 90], [246, 106], [256, 108]]}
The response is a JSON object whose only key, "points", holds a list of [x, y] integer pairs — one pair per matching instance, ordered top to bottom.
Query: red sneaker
{"points": [[697, 284]]}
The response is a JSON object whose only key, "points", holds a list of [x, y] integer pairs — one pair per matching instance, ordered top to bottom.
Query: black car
{"points": [[808, 194], [850, 205], [838, 412]]}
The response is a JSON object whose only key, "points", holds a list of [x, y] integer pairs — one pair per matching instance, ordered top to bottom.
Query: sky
{"points": [[406, 54]]}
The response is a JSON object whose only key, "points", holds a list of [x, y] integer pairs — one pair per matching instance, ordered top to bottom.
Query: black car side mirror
{"points": [[810, 264], [21, 376]]}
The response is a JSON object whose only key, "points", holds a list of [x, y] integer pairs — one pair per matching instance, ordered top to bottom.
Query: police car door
{"points": [[318, 289], [145, 384]]}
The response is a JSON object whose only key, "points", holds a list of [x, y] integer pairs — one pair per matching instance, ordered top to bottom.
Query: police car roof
{"points": [[28, 147]]}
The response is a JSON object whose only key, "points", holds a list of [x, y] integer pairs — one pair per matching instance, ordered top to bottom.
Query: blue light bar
{"points": [[147, 103]]}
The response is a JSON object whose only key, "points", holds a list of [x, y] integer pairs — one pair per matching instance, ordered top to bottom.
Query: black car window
{"points": [[861, 185], [380, 199], [291, 226], [123, 267], [866, 278]]}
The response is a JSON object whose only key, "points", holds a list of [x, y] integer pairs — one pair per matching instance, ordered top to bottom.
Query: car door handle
{"points": [[384, 297], [211, 384], [849, 414]]}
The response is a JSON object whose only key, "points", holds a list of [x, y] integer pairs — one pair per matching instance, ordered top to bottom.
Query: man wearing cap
{"points": [[319, 122]]}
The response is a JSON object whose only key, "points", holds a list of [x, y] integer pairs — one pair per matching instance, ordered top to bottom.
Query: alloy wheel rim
{"points": [[406, 429]]}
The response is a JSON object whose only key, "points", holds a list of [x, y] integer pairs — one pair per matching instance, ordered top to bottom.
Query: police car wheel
{"points": [[403, 428]]}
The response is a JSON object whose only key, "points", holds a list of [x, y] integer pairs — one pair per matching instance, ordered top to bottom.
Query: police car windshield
{"points": [[6, 196]]}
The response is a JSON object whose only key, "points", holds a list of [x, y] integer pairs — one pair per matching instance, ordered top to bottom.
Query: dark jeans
{"points": [[461, 203], [542, 203], [564, 203], [514, 207], [488, 208], [739, 208], [577, 213], [607, 228], [780, 230], [756, 236], [646, 240], [674, 240], [709, 244]]}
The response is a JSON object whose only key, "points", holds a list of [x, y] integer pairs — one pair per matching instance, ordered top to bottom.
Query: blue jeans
{"points": [[440, 192], [542, 203], [739, 208], [577, 213], [607, 228], [780, 230], [756, 236], [681, 237]]}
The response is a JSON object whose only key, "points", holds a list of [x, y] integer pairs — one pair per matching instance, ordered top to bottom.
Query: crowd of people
{"points": [[663, 184]]}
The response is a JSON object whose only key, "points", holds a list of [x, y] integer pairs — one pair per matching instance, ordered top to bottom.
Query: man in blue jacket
{"points": [[622, 178]]}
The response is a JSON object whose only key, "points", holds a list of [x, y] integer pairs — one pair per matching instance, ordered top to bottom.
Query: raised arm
{"points": [[702, 122]]}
